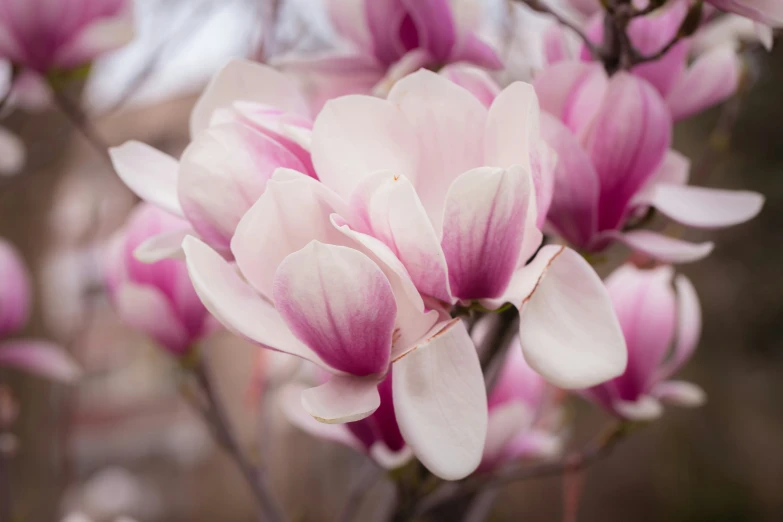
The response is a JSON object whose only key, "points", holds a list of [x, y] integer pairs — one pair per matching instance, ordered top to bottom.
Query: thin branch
{"points": [[541, 7], [639, 58], [215, 416]]}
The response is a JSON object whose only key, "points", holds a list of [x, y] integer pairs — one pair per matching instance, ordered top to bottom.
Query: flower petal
{"points": [[711, 79], [243, 80], [475, 80], [569, 90], [448, 124], [513, 128], [354, 136], [149, 173], [703, 207], [293, 210], [392, 213], [485, 220], [167, 245], [663, 248], [340, 304], [236, 305], [146, 309], [688, 327], [568, 329], [39, 357], [680, 393], [289, 398], [344, 398], [441, 404], [645, 409], [506, 421]]}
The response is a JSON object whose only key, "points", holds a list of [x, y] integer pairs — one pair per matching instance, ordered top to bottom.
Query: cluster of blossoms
{"points": [[362, 225]]}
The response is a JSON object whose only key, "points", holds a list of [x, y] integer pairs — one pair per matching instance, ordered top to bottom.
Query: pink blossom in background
{"points": [[768, 14], [43, 35], [389, 39], [687, 89], [249, 121], [611, 170], [157, 298], [662, 325], [36, 356], [524, 419], [378, 435]]}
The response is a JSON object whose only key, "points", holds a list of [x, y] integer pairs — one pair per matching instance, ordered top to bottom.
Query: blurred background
{"points": [[123, 442]]}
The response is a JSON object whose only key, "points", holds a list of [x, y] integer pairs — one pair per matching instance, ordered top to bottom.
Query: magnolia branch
{"points": [[217, 420]]}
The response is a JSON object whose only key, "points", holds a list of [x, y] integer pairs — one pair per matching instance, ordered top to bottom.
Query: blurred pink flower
{"points": [[768, 14], [43, 35], [390, 39], [686, 89], [249, 121], [611, 170], [157, 298], [662, 325], [36, 356], [524, 419], [378, 435]]}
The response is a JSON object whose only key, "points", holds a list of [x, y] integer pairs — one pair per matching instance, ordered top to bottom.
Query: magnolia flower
{"points": [[767, 14], [46, 35], [390, 39], [686, 89], [249, 121], [610, 170], [155, 298], [662, 325], [35, 356], [524, 422], [378, 435]]}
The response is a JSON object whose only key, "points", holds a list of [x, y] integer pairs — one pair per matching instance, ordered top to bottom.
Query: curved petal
{"points": [[350, 19], [435, 26], [102, 34], [711, 79], [243, 80], [475, 80], [569, 90], [448, 124], [513, 127], [354, 136], [626, 151], [232, 160], [674, 169], [149, 173], [703, 207], [574, 208], [293, 210], [391, 211], [484, 226], [167, 245], [663, 248], [340, 304], [236, 305], [146, 309], [413, 321], [688, 327], [568, 329], [39, 357], [680, 393], [289, 398], [343, 398], [441, 403], [644, 409], [506, 421], [389, 459]]}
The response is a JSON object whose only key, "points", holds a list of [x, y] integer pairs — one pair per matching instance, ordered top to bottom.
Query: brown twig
{"points": [[216, 418]]}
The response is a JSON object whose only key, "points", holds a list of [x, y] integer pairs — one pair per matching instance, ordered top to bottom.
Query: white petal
{"points": [[513, 127], [149, 173], [703, 207], [167, 245], [664, 248], [236, 305], [568, 329], [680, 393], [344, 398], [441, 404], [645, 409], [506, 421], [389, 459]]}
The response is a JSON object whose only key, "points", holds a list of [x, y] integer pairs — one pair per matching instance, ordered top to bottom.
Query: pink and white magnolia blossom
{"points": [[768, 14], [46, 35], [389, 39], [686, 88], [249, 121], [612, 169], [157, 298], [662, 325], [35, 356], [524, 420], [378, 435]]}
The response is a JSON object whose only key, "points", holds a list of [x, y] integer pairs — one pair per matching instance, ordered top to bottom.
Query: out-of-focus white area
{"points": [[179, 44]]}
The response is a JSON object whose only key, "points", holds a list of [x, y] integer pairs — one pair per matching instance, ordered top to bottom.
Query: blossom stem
{"points": [[215, 416]]}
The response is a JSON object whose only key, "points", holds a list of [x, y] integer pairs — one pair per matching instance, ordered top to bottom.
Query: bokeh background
{"points": [[123, 442]]}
